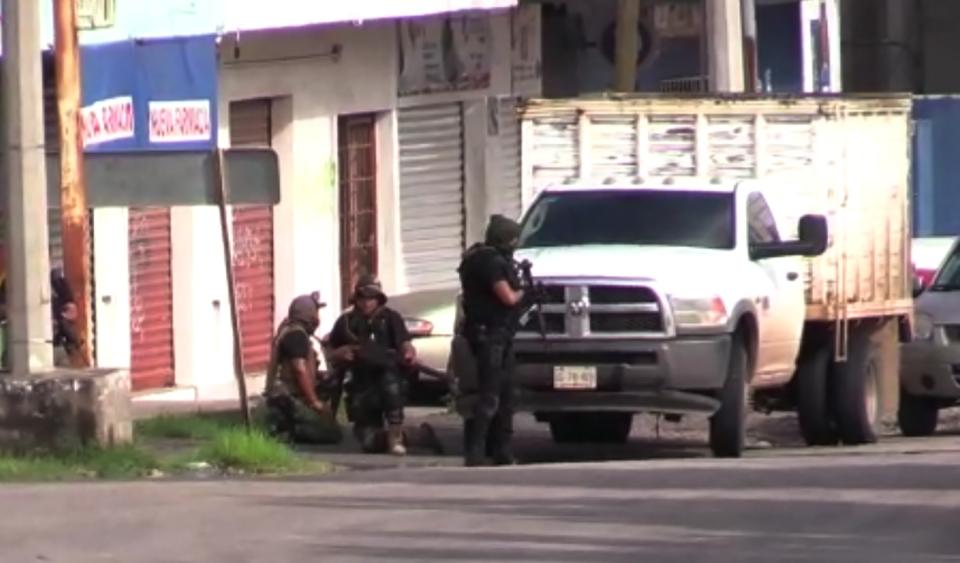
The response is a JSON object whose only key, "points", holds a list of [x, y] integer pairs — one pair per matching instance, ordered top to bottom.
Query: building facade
{"points": [[396, 139]]}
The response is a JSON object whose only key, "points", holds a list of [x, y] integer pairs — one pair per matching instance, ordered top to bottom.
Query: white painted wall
{"points": [[310, 90], [111, 270]]}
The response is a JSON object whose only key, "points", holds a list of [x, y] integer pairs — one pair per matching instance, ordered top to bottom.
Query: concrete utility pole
{"points": [[628, 18], [725, 42], [24, 175], [73, 193]]}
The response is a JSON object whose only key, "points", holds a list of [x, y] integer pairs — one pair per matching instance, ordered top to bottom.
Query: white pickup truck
{"points": [[700, 256]]}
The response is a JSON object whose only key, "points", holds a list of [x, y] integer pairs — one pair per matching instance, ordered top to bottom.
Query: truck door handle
{"points": [[792, 276]]}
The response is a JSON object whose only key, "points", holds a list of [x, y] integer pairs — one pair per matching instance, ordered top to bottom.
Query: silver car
{"points": [[430, 316], [930, 364]]}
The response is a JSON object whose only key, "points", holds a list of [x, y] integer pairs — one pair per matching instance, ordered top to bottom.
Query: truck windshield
{"points": [[641, 217], [949, 277]]}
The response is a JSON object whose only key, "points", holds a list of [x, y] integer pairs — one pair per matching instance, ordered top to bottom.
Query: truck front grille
{"points": [[613, 295], [601, 310], [625, 322], [553, 323]]}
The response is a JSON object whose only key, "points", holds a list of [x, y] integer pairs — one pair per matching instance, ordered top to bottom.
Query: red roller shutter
{"points": [[250, 126], [151, 299]]}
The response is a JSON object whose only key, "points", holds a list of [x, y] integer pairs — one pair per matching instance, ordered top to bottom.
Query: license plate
{"points": [[574, 377]]}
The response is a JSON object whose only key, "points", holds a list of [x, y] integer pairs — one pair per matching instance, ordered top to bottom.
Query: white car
{"points": [[430, 317], [930, 364]]}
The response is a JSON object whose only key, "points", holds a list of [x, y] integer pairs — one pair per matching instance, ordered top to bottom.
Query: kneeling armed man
{"points": [[371, 341], [297, 400]]}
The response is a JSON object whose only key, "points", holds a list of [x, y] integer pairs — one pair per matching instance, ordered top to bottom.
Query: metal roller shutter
{"points": [[250, 126], [51, 131], [509, 143], [431, 194], [151, 299]]}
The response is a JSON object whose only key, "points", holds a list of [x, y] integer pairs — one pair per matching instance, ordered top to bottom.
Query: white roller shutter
{"points": [[509, 142], [431, 194]]}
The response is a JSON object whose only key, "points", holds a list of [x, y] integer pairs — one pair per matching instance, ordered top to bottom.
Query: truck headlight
{"points": [[707, 312], [923, 327]]}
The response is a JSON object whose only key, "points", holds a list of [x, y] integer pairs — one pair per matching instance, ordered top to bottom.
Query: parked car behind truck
{"points": [[669, 233], [931, 362]]}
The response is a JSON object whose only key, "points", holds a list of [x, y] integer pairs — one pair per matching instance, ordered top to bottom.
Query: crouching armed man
{"points": [[371, 342], [297, 398]]}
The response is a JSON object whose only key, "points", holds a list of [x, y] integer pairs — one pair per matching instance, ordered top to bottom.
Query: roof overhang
{"points": [[247, 15]]}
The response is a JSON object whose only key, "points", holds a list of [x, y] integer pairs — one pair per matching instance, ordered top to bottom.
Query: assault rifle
{"points": [[534, 297], [371, 354]]}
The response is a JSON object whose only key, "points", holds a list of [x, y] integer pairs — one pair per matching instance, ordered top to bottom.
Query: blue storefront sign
{"points": [[150, 94]]}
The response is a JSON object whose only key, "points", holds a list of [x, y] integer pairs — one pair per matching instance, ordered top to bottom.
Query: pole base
{"points": [[65, 408]]}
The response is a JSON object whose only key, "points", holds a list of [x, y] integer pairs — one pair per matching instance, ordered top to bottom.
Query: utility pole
{"points": [[628, 19], [725, 45], [25, 179], [73, 193]]}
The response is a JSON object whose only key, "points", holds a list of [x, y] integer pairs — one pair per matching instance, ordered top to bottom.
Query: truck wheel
{"points": [[857, 391], [814, 411], [917, 415], [728, 424]]}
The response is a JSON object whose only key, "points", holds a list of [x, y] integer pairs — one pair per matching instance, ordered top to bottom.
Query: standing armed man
{"points": [[492, 301]]}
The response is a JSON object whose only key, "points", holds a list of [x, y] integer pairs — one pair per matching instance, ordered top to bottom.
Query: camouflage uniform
{"points": [[288, 412]]}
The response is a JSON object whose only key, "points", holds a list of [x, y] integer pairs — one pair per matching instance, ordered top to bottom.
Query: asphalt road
{"points": [[898, 502]]}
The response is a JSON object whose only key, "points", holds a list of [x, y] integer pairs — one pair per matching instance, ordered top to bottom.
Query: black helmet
{"points": [[502, 232]]}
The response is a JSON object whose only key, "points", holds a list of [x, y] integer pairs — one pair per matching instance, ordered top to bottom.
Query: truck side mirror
{"points": [[814, 234], [812, 241], [918, 286]]}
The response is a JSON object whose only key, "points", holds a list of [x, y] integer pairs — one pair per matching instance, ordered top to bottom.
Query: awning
{"points": [[244, 15], [154, 94]]}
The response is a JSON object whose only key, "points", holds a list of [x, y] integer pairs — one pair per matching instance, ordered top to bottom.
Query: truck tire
{"points": [[857, 390], [815, 412], [917, 416], [728, 424], [580, 428]]}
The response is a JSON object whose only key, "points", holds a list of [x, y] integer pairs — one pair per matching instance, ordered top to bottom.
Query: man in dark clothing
{"points": [[492, 300], [63, 309], [66, 339], [371, 341], [294, 396]]}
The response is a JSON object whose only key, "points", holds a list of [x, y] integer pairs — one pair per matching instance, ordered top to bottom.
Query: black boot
{"points": [[501, 441], [474, 443]]}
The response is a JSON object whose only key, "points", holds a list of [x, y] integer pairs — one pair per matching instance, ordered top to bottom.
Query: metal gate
{"points": [[251, 126], [508, 130], [51, 132], [431, 194], [358, 200], [151, 299]]}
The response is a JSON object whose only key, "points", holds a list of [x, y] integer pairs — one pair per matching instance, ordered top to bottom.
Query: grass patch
{"points": [[187, 427], [219, 439], [250, 452], [123, 462]]}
